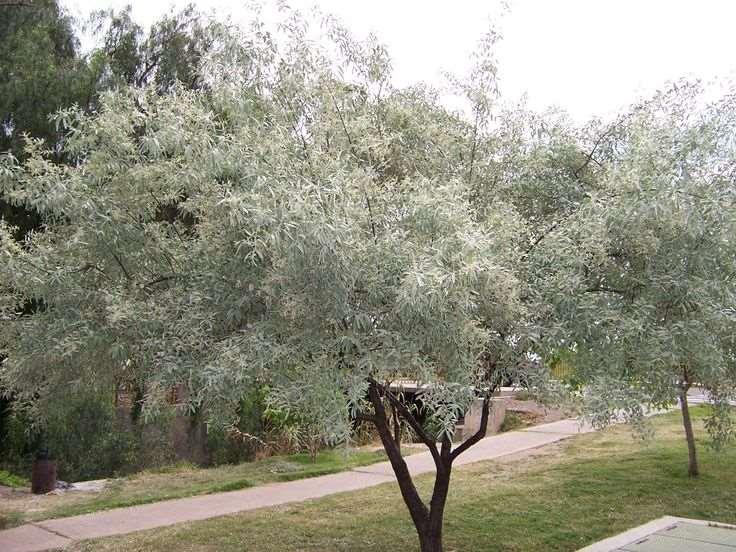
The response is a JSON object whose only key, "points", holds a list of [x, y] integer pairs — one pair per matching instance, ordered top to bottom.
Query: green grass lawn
{"points": [[180, 481], [563, 497]]}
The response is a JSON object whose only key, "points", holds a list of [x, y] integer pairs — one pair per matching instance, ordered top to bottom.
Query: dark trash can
{"points": [[43, 478]]}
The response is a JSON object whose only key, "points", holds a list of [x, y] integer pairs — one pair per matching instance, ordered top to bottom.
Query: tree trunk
{"points": [[397, 428], [692, 469], [417, 509], [428, 521], [433, 530], [430, 543]]}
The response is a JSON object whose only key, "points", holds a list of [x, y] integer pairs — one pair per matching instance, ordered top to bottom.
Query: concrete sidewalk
{"points": [[57, 533]]}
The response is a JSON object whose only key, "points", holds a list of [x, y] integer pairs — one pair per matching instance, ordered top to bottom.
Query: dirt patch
{"points": [[535, 413], [518, 458], [509, 466], [14, 493]]}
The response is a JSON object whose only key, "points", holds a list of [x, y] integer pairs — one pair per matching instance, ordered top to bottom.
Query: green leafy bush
{"points": [[512, 421], [82, 433], [242, 441], [8, 479]]}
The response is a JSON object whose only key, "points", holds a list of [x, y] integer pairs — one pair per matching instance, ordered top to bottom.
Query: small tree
{"points": [[301, 224], [648, 298]]}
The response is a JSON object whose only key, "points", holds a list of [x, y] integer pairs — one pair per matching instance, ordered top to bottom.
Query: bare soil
{"points": [[536, 413]]}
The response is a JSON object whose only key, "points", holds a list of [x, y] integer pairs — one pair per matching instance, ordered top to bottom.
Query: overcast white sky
{"points": [[590, 57]]}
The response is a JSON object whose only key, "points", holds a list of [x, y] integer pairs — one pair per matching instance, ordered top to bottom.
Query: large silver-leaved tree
{"points": [[298, 222], [647, 301]]}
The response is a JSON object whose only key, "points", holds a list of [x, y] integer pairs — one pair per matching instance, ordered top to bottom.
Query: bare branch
{"points": [[342, 122], [473, 149], [590, 155], [543, 235], [122, 266], [160, 279], [397, 428]]}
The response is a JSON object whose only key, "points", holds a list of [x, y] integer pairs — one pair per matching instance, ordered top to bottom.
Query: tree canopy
{"points": [[45, 70], [244, 207], [300, 222], [646, 301]]}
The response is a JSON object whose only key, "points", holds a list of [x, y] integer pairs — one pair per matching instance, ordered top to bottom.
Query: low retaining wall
{"points": [[471, 424]]}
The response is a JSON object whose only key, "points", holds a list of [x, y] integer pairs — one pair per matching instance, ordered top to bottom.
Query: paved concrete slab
{"points": [[696, 395], [507, 443], [486, 449], [704, 533], [671, 534], [29, 538], [663, 543]]}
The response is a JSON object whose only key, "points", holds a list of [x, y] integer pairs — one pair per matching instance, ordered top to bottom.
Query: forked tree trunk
{"points": [[692, 469], [427, 521], [432, 541]]}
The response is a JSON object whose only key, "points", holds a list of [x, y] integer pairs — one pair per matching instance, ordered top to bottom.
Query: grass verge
{"points": [[178, 482], [560, 498]]}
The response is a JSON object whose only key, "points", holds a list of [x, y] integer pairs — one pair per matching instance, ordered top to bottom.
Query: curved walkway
{"points": [[57, 533]]}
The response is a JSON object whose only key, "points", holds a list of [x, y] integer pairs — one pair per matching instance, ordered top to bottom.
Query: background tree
{"points": [[169, 53], [46, 71], [42, 72], [648, 301]]}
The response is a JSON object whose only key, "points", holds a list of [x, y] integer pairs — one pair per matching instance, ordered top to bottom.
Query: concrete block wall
{"points": [[471, 424]]}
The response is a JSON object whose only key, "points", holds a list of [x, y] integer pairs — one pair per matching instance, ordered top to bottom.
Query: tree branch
{"points": [[155, 58], [344, 126], [473, 149], [355, 154], [589, 157], [576, 172], [370, 212], [542, 236], [122, 266], [160, 279], [602, 289], [409, 417], [366, 418], [397, 428], [478, 435], [417, 508]]}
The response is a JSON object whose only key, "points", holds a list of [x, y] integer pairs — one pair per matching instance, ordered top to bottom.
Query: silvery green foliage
{"points": [[301, 223], [641, 274], [720, 423]]}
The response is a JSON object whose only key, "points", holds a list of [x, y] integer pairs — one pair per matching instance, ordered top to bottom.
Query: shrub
{"points": [[82, 432], [11, 480]]}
